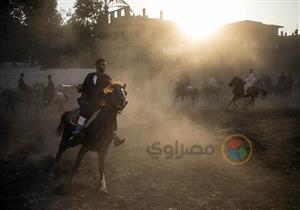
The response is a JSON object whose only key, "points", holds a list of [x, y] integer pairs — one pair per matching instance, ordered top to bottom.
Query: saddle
{"points": [[74, 116]]}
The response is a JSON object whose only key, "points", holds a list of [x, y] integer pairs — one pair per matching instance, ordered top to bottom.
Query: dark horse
{"points": [[238, 92], [98, 133]]}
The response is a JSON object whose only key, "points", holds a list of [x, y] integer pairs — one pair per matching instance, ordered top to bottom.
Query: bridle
{"points": [[109, 104]]}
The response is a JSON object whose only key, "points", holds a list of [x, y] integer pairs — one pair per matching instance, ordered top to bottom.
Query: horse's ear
{"points": [[124, 86]]}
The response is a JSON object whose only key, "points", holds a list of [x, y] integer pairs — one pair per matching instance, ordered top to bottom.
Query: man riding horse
{"points": [[250, 80], [245, 88], [92, 91], [100, 128]]}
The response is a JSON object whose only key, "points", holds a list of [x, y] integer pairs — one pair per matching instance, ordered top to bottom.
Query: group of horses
{"points": [[263, 86], [283, 88], [183, 92], [32, 100]]}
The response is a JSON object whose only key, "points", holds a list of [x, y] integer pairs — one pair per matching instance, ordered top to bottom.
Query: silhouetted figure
{"points": [[281, 78], [268, 81], [268, 84], [282, 84], [289, 84], [23, 87], [50, 90]]}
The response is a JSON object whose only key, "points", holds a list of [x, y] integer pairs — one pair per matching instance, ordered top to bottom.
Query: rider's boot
{"points": [[117, 140]]}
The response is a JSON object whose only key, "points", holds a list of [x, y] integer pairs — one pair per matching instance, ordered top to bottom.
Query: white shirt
{"points": [[95, 79], [250, 79]]}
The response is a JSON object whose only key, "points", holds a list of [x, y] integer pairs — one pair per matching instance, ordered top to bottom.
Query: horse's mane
{"points": [[239, 79], [116, 84], [110, 88]]}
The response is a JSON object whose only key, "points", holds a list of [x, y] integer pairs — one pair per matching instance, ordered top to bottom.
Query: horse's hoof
{"points": [[103, 189]]}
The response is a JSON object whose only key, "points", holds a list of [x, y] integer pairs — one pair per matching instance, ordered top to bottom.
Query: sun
{"points": [[200, 18]]}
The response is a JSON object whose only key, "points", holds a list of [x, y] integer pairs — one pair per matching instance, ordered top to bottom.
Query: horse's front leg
{"points": [[231, 101], [252, 101], [234, 104], [61, 149], [79, 157], [101, 158]]}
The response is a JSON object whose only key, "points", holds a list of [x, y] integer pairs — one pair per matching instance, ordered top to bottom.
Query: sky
{"points": [[210, 14]]}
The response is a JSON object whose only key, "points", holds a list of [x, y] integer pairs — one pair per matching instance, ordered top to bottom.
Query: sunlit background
{"points": [[199, 18]]}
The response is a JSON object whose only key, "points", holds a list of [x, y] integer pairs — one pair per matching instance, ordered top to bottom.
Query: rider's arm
{"points": [[250, 77]]}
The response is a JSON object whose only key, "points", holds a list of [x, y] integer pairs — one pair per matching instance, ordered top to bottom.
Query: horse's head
{"points": [[236, 82], [116, 96]]}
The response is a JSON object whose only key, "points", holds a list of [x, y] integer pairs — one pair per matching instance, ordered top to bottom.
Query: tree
{"points": [[87, 12], [29, 28], [12, 36]]}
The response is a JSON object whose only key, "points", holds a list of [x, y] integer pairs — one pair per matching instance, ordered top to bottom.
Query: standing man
{"points": [[250, 80], [281, 80], [290, 84], [23, 87], [50, 90], [91, 94]]}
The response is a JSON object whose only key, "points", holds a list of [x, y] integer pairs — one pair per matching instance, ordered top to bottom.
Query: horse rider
{"points": [[250, 80], [281, 81], [212, 82], [290, 83], [23, 87], [50, 90], [91, 93]]}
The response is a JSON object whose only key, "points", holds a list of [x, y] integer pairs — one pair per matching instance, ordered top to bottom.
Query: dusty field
{"points": [[270, 180]]}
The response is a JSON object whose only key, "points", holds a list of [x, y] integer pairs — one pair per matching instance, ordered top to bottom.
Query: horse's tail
{"points": [[263, 92], [61, 126]]}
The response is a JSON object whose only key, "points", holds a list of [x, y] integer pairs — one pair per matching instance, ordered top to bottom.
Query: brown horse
{"points": [[238, 92], [98, 135]]}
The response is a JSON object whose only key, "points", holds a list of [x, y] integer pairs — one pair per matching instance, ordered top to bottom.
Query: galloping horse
{"points": [[179, 91], [182, 91], [193, 92], [238, 92], [98, 133]]}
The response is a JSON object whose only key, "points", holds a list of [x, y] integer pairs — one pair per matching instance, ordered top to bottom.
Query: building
{"points": [[251, 35], [128, 38], [137, 39], [259, 45]]}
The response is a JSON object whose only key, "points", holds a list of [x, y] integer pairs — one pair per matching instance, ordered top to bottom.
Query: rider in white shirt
{"points": [[250, 80]]}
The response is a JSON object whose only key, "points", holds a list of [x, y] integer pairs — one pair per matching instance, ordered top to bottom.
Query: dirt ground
{"points": [[270, 180]]}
